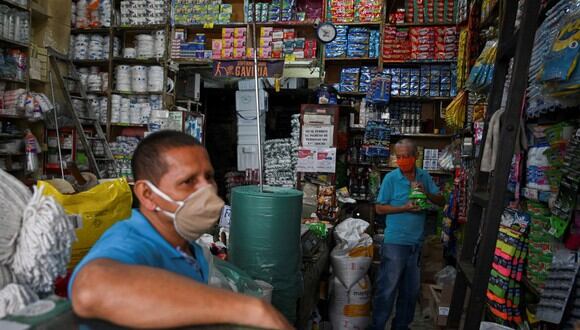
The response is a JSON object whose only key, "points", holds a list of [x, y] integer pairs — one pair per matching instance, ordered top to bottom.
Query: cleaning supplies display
{"points": [[189, 12], [265, 240], [504, 288]]}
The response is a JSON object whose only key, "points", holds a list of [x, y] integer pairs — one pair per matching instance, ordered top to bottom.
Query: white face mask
{"points": [[196, 214]]}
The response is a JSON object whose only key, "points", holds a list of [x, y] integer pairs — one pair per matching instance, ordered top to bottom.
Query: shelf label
{"points": [[208, 26]]}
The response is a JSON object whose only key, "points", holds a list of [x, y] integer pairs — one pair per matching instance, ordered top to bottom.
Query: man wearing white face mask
{"points": [[146, 271]]}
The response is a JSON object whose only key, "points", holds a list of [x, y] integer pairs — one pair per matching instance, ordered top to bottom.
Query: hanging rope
{"points": [[13, 199], [44, 244], [6, 276]]}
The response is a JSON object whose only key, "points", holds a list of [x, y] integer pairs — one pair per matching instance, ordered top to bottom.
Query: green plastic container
{"points": [[265, 241]]}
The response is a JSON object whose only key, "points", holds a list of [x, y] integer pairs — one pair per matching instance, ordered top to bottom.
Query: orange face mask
{"points": [[406, 164]]}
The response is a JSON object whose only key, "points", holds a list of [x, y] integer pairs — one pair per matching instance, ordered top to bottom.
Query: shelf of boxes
{"points": [[14, 5]]}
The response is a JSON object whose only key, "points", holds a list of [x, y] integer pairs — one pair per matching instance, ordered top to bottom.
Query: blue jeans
{"points": [[399, 277]]}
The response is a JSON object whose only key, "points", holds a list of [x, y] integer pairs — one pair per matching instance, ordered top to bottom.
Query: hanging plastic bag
{"points": [[481, 74], [455, 111], [32, 150], [93, 211], [225, 275]]}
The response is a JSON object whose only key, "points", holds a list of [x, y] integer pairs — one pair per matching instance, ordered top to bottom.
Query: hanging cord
{"points": [[13, 198], [44, 244], [15, 297]]}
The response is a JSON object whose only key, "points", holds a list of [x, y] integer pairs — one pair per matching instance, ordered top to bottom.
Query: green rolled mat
{"points": [[265, 240]]}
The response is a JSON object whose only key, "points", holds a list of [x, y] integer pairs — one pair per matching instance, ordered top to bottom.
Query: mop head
{"points": [[13, 199], [35, 244], [44, 244], [15, 297]]}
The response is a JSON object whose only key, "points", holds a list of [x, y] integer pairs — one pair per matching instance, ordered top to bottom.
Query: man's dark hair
{"points": [[148, 162]]}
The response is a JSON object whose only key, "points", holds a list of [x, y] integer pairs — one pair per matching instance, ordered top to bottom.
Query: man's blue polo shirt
{"points": [[404, 228], [136, 242]]}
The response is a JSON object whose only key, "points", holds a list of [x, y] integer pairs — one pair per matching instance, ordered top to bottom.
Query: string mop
{"points": [[13, 199], [35, 244], [44, 244], [14, 297]]}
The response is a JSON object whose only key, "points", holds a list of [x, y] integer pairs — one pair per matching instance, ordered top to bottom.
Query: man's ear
{"points": [[145, 195]]}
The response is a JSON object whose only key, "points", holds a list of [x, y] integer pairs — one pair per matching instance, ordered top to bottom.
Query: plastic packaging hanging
{"points": [[32, 150]]}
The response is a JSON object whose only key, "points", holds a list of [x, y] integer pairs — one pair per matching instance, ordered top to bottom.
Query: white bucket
{"points": [[267, 289]]}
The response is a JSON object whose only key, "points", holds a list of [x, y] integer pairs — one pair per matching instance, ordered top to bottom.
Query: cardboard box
{"points": [[440, 303]]}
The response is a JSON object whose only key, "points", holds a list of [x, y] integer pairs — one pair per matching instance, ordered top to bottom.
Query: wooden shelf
{"points": [[13, 5], [286, 23], [359, 24], [420, 24], [210, 26], [140, 28], [102, 30], [13, 43], [331, 59], [123, 60], [91, 62], [419, 62], [15, 81], [137, 93], [353, 93], [422, 98], [7, 116], [129, 125], [425, 135], [11, 136], [11, 154]]}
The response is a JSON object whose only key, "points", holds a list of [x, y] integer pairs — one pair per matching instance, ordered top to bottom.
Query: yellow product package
{"points": [[92, 211]]}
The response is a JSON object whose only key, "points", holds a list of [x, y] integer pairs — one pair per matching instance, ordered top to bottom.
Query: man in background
{"points": [[399, 274]]}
